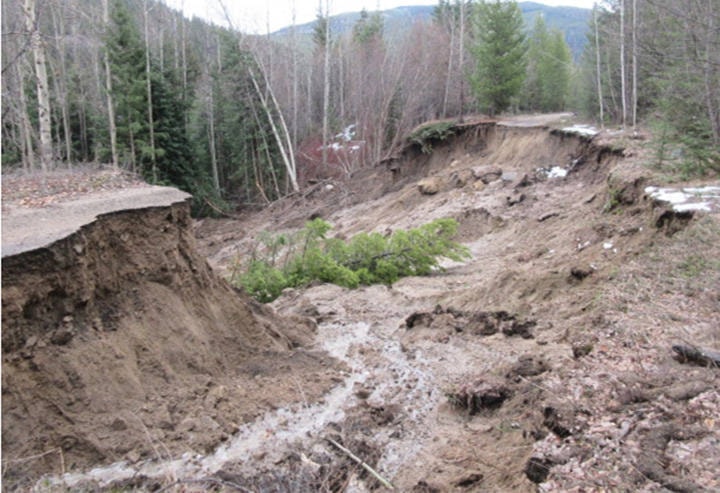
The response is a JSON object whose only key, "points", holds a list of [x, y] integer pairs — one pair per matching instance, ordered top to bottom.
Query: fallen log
{"points": [[693, 354]]}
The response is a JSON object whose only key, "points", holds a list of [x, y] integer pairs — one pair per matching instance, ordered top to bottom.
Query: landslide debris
{"points": [[566, 242], [120, 344]]}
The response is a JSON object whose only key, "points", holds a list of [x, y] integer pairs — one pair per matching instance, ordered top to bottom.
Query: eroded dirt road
{"points": [[544, 362]]}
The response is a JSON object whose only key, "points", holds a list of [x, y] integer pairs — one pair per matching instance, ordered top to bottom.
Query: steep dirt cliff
{"points": [[120, 343]]}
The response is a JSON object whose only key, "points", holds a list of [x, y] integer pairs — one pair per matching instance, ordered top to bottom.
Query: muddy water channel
{"points": [[358, 328]]}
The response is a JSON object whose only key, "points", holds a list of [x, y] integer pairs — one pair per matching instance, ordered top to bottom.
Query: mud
{"points": [[119, 343], [514, 355], [544, 363]]}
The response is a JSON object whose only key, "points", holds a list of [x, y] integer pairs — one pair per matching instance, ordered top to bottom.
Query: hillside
{"points": [[572, 21], [573, 350]]}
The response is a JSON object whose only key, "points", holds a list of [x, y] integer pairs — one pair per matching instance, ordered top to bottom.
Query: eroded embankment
{"points": [[119, 343], [522, 365]]}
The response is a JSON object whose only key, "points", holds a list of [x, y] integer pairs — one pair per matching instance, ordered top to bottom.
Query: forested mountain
{"points": [[572, 21], [246, 119]]}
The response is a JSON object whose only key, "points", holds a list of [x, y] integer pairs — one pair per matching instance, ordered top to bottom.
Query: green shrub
{"points": [[426, 135], [368, 258]]}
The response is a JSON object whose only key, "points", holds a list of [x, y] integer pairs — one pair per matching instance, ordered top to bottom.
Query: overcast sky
{"points": [[254, 16]]}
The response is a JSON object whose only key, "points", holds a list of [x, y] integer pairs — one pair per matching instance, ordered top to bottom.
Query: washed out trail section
{"points": [[28, 228], [122, 346], [506, 359], [541, 360]]}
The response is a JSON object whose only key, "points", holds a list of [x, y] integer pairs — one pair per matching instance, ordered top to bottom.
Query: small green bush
{"points": [[426, 135], [368, 258]]}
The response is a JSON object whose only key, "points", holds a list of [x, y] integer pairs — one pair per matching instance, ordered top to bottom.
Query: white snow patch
{"points": [[587, 130], [347, 134], [554, 172], [557, 172], [688, 198], [693, 206], [607, 245]]}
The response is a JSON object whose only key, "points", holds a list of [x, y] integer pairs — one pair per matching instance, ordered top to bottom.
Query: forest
{"points": [[241, 120]]}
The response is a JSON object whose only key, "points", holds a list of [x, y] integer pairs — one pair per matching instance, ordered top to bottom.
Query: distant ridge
{"points": [[573, 21]]}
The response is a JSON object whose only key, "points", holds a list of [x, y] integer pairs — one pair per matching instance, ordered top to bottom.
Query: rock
{"points": [[487, 174], [510, 176], [459, 179], [523, 181], [429, 186], [515, 198], [580, 273], [417, 319], [487, 323], [520, 328], [61, 336], [31, 342], [582, 348], [528, 365], [361, 391], [487, 393], [215, 396], [559, 421], [118, 424], [537, 469], [471, 480], [423, 486]]}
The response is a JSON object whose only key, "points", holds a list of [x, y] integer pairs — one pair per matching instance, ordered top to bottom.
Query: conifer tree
{"points": [[499, 52], [127, 63], [549, 68]]}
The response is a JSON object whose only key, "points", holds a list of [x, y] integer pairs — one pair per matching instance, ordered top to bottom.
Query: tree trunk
{"points": [[293, 38], [461, 54], [634, 64], [597, 67], [710, 74], [449, 75], [41, 81], [61, 83], [623, 83], [326, 88], [109, 93], [151, 120], [25, 127], [211, 137], [288, 165]]}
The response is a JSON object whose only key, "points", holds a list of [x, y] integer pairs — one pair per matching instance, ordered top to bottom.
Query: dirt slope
{"points": [[119, 343], [546, 359], [544, 363]]}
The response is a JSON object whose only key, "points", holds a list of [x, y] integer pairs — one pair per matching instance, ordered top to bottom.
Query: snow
{"points": [[587, 130], [347, 134], [554, 172], [557, 172], [689, 198], [693, 206]]}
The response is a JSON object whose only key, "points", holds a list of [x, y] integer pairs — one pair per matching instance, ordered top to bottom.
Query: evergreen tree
{"points": [[368, 28], [499, 52], [127, 60], [549, 69]]}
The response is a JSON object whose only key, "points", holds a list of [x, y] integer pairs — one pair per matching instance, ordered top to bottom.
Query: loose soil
{"points": [[543, 363]]}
